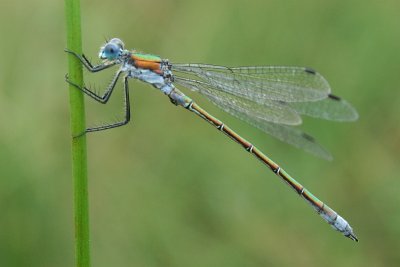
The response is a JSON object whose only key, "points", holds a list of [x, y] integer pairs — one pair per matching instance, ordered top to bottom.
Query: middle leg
{"points": [[99, 98], [127, 113]]}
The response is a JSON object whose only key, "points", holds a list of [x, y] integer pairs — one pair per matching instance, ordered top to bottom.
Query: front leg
{"points": [[85, 62], [99, 98]]}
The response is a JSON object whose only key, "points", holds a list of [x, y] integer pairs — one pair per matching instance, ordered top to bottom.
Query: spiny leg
{"points": [[85, 62], [99, 98], [127, 113]]}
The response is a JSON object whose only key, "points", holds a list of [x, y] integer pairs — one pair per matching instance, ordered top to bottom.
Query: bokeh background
{"points": [[168, 189]]}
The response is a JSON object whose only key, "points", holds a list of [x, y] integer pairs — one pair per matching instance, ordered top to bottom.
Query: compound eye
{"points": [[111, 51]]}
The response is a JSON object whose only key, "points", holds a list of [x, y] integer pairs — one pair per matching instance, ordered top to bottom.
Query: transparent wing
{"points": [[289, 84], [331, 108], [270, 111], [254, 115]]}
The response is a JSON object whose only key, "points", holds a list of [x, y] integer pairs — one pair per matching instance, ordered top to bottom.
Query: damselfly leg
{"points": [[88, 65], [106, 95], [99, 98], [127, 113], [127, 116]]}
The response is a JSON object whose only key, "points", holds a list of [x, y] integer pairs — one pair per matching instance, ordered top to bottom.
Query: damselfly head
{"points": [[112, 49]]}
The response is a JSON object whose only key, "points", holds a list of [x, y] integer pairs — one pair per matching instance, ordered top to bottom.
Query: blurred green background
{"points": [[168, 189]]}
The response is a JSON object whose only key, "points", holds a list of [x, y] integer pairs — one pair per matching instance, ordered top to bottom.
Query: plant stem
{"points": [[79, 159]]}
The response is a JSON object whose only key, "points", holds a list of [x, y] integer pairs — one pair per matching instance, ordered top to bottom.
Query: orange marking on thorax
{"points": [[141, 63]]}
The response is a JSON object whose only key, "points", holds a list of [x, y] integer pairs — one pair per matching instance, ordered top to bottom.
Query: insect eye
{"points": [[110, 48], [111, 51]]}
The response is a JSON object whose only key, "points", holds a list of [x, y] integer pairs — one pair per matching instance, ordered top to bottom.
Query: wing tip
{"points": [[321, 152]]}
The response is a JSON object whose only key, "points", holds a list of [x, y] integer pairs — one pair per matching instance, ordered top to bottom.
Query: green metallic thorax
{"points": [[146, 57]]}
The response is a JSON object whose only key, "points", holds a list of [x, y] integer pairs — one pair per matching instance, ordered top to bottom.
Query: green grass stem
{"points": [[79, 158]]}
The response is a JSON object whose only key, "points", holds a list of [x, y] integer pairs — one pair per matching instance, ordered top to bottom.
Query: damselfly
{"points": [[269, 98]]}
